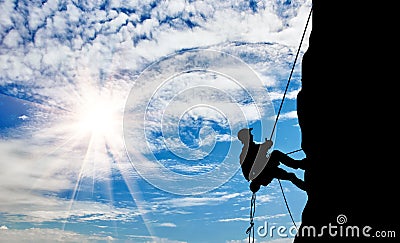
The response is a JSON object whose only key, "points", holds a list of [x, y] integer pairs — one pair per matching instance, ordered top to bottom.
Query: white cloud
{"points": [[106, 27], [12, 39], [278, 95], [288, 115], [23, 117], [191, 168], [33, 174], [264, 198], [194, 201], [48, 209], [257, 218], [168, 225], [49, 235], [58, 235], [163, 240], [282, 240]]}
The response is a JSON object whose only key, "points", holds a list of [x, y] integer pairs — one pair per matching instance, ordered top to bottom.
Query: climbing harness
{"points": [[250, 230]]}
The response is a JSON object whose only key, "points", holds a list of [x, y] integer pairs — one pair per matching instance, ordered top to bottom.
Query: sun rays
{"points": [[81, 140]]}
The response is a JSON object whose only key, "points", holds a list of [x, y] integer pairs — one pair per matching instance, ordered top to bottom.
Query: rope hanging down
{"points": [[250, 230]]}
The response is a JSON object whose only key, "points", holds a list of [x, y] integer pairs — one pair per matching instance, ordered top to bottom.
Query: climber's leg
{"points": [[277, 156], [284, 175]]}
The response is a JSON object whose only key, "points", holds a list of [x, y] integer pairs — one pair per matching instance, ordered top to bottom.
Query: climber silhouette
{"points": [[253, 155]]}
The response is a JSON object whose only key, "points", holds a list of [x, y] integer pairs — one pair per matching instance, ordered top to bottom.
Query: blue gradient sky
{"points": [[68, 69]]}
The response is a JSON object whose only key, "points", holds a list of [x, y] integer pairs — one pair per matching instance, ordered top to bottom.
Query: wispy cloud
{"points": [[278, 95], [288, 115], [33, 175], [194, 201], [257, 218], [168, 225], [49, 235], [58, 235], [283, 240]]}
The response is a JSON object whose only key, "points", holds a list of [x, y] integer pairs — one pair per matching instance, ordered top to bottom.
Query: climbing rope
{"points": [[290, 76], [280, 108], [253, 198], [250, 230]]}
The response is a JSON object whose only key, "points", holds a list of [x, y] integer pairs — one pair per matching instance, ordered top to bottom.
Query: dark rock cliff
{"points": [[345, 110]]}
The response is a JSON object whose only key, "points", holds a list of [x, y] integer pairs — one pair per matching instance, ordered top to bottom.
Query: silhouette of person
{"points": [[253, 155]]}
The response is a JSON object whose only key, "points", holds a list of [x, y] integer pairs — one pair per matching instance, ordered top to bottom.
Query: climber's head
{"points": [[245, 136]]}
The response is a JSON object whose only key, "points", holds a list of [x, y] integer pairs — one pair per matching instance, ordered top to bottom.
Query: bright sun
{"points": [[99, 116]]}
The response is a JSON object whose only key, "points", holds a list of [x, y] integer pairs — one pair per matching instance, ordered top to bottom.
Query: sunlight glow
{"points": [[98, 117], [96, 121]]}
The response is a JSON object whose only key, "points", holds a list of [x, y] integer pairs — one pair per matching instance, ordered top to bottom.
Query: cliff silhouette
{"points": [[344, 110]]}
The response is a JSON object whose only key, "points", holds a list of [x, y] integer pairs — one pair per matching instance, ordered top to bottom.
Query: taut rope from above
{"points": [[250, 230]]}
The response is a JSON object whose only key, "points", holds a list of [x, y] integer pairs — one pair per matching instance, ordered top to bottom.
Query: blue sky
{"points": [[118, 118]]}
